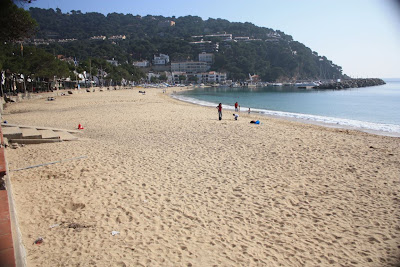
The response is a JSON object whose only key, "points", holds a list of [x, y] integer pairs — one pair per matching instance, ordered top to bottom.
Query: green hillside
{"points": [[273, 55]]}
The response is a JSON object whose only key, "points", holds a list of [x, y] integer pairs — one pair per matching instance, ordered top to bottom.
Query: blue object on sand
{"points": [[257, 122]]}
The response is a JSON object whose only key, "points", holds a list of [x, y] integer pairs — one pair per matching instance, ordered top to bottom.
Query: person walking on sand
{"points": [[236, 106], [219, 107]]}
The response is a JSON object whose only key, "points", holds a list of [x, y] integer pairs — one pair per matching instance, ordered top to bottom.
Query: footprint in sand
{"points": [[74, 206]]}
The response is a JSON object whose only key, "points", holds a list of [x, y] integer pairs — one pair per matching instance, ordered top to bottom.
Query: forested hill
{"points": [[271, 54]]}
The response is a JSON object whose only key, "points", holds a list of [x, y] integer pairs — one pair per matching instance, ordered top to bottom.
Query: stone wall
{"points": [[353, 83]]}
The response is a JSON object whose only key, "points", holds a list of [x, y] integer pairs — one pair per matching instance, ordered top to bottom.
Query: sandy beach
{"points": [[182, 188]]}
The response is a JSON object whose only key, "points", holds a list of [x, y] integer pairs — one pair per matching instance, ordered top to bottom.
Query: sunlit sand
{"points": [[180, 188]]}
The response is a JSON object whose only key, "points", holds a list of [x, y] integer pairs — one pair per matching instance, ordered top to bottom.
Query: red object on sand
{"points": [[80, 127], [38, 241]]}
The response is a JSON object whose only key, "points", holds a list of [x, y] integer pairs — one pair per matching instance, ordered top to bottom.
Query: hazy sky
{"points": [[362, 36]]}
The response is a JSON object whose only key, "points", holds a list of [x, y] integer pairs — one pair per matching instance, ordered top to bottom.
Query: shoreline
{"points": [[304, 118], [182, 188]]}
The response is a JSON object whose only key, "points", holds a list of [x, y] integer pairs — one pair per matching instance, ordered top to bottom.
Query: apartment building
{"points": [[224, 36], [101, 37], [117, 37], [206, 46], [206, 57], [162, 59], [112, 62], [141, 64], [189, 67], [204, 77], [211, 77]]}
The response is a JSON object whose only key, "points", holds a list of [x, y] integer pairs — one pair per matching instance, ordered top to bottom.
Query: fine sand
{"points": [[184, 189]]}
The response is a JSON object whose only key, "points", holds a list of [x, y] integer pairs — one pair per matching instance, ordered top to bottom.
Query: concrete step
{"points": [[8, 125], [12, 132], [16, 133], [30, 133], [48, 134], [65, 136], [34, 141]]}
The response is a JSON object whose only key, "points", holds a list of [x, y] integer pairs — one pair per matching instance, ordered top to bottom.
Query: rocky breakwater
{"points": [[353, 83]]}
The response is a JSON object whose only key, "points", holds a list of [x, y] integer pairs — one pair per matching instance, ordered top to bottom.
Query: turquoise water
{"points": [[371, 108]]}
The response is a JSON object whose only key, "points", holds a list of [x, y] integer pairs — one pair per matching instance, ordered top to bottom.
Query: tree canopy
{"points": [[16, 23], [33, 61]]}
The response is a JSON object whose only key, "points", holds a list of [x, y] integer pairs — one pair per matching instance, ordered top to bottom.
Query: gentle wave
{"points": [[390, 129]]}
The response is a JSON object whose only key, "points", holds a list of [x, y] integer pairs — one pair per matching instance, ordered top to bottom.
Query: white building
{"points": [[166, 23], [224, 36], [101, 37], [117, 37], [273, 37], [242, 38], [66, 40], [201, 42], [206, 46], [206, 57], [161, 60], [112, 62], [141, 64], [189, 67], [151, 75], [175, 75], [204, 77], [211, 77]]}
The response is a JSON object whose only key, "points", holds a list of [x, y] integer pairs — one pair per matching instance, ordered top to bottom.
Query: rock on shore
{"points": [[353, 83]]}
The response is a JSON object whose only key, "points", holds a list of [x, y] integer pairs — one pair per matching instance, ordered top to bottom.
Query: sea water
{"points": [[372, 109]]}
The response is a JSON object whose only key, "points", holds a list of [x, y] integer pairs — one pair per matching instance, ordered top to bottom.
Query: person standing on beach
{"points": [[236, 106], [219, 107]]}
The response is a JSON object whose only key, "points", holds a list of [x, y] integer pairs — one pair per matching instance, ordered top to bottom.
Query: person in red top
{"points": [[236, 106], [219, 107]]}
